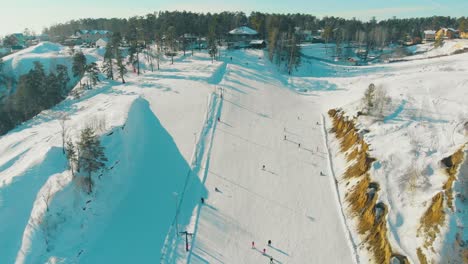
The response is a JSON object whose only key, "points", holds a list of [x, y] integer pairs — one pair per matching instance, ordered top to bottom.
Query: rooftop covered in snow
{"points": [[244, 30]]}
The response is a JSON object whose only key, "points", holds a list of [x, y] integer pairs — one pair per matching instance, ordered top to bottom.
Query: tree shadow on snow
{"points": [[150, 170], [17, 200]]}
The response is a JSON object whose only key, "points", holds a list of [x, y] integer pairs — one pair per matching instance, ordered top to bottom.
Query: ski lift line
{"points": [[214, 108], [195, 160], [205, 168], [187, 177]]}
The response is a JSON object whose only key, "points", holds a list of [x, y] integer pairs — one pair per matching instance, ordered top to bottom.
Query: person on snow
{"points": [[218, 119], [284, 137], [299, 145], [263, 168], [321, 174], [216, 189], [202, 200], [269, 243], [253, 244], [264, 251], [271, 260]]}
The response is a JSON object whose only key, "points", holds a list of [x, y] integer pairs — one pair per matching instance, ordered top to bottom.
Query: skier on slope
{"points": [[269, 243], [253, 244], [271, 260]]}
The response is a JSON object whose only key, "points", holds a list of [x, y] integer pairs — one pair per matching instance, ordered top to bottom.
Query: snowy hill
{"points": [[49, 55], [262, 151]]}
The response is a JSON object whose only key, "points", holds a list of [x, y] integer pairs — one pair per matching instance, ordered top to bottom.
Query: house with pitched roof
{"points": [[429, 35], [91, 36], [241, 37]]}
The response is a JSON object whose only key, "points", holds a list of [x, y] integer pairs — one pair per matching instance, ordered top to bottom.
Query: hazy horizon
{"points": [[36, 16]]}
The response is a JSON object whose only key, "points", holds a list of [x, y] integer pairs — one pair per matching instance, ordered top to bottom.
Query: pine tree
{"points": [[171, 42], [212, 47], [134, 56], [79, 65], [120, 65], [108, 66], [92, 72], [2, 75], [63, 79], [53, 93], [369, 98], [70, 152], [91, 157]]}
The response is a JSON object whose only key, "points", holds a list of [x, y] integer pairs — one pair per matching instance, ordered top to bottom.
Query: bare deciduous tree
{"points": [[63, 131]]}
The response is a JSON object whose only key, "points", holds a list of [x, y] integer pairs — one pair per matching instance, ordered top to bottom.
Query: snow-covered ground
{"points": [[428, 50], [49, 55], [167, 149]]}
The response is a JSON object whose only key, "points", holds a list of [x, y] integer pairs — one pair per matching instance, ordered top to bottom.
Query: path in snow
{"points": [[288, 202]]}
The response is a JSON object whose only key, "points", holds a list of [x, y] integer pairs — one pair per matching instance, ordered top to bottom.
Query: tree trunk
{"points": [[138, 61], [90, 184]]}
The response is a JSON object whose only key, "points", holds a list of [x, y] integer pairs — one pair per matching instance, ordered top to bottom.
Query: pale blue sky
{"points": [[37, 14]]}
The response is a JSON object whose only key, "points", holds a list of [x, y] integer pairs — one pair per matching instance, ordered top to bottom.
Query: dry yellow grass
{"points": [[453, 163], [363, 195], [357, 197], [432, 220], [377, 238], [421, 256]]}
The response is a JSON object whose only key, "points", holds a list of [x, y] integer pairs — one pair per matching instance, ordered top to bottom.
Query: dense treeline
{"points": [[154, 25], [278, 29], [35, 92]]}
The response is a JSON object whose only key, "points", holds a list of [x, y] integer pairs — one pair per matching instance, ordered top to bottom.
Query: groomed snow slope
{"points": [[166, 150], [289, 202]]}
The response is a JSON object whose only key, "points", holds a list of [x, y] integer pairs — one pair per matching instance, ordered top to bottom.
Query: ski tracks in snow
{"points": [[200, 160], [334, 182]]}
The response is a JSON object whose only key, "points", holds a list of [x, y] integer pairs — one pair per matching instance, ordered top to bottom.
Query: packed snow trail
{"points": [[288, 202]]}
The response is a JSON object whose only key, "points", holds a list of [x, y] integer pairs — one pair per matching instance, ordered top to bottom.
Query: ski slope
{"points": [[167, 150], [288, 202]]}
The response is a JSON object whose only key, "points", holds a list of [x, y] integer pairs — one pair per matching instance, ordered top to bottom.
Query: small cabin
{"points": [[429, 35], [257, 44]]}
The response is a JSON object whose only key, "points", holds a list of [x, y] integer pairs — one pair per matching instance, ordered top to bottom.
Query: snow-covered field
{"points": [[167, 149]]}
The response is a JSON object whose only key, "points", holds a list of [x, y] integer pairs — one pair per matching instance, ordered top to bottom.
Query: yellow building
{"points": [[447, 33]]}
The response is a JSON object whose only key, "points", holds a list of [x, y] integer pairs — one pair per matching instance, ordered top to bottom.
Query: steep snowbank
{"points": [[419, 122]]}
